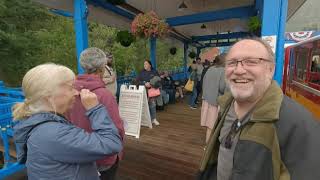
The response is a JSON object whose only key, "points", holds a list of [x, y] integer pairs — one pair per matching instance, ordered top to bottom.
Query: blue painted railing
{"points": [[8, 97]]}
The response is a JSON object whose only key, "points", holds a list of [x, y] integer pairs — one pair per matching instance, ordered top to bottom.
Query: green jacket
{"points": [[270, 145]]}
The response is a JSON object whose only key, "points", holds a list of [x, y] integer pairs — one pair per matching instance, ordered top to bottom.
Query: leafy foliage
{"points": [[254, 23], [30, 35], [125, 38], [173, 50], [192, 54]]}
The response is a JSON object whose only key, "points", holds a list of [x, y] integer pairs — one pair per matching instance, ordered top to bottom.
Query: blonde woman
{"points": [[51, 146]]}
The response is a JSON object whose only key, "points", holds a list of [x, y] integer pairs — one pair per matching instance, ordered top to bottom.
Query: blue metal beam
{"points": [[110, 7], [259, 7], [61, 12], [240, 12], [274, 16], [81, 29], [221, 36], [281, 39], [219, 44], [153, 48], [198, 51], [185, 60]]}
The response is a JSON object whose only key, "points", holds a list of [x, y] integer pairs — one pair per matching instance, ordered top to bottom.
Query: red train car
{"points": [[301, 79]]}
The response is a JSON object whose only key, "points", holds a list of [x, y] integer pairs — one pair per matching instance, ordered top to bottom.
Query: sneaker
{"points": [[193, 107], [155, 122]]}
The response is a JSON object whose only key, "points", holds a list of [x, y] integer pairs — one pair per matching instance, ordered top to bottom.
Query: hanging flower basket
{"points": [[115, 2], [149, 25], [125, 38], [173, 50], [192, 54]]}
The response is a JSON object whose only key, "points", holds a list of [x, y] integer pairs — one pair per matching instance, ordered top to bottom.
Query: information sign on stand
{"points": [[134, 109]]}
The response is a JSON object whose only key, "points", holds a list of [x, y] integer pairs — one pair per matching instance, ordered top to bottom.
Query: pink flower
{"points": [[148, 25]]}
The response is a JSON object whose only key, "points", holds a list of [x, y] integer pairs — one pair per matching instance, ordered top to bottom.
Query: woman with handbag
{"points": [[144, 79]]}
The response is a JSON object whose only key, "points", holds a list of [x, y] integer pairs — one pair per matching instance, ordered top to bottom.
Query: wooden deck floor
{"points": [[169, 151]]}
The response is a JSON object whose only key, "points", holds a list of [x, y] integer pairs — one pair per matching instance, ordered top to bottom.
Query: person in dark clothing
{"points": [[200, 67], [144, 79], [168, 86]]}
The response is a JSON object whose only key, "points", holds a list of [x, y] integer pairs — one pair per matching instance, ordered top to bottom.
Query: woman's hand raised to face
{"points": [[88, 99]]}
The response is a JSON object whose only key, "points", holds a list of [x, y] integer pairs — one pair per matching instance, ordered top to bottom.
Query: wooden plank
{"points": [[169, 151]]}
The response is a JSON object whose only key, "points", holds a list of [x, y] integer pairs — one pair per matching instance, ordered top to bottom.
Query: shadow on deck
{"points": [[169, 151]]}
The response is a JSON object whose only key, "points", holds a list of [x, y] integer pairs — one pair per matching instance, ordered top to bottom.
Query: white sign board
{"points": [[272, 41], [134, 109]]}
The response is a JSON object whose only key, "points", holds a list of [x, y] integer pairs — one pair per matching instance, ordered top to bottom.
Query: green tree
{"points": [[31, 35]]}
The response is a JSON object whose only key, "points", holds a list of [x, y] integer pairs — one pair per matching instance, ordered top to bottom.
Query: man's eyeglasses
{"points": [[246, 62]]}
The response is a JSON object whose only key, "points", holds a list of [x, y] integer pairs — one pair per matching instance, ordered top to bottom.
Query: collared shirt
{"points": [[225, 157]]}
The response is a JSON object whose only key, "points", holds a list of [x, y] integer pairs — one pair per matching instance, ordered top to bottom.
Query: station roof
{"points": [[219, 16]]}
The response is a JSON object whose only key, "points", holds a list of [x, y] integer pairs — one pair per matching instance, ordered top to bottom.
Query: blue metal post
{"points": [[274, 15], [81, 28], [153, 43], [198, 51], [185, 60]]}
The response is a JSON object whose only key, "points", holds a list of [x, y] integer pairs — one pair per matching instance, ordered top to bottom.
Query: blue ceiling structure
{"points": [[240, 12], [272, 13]]}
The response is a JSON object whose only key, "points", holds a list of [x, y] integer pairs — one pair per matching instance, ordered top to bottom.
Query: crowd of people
{"points": [[70, 128]]}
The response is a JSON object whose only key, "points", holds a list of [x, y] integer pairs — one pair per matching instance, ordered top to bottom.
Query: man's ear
{"points": [[272, 68]]}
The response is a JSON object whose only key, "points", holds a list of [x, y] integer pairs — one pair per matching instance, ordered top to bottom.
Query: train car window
{"points": [[301, 64], [315, 69]]}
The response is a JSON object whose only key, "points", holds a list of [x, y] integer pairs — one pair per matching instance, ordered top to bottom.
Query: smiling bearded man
{"points": [[260, 134]]}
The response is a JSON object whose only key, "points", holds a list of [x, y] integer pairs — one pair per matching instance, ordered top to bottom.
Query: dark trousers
{"points": [[199, 89], [110, 174]]}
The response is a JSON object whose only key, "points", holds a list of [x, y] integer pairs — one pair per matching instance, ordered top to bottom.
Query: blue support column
{"points": [[274, 15], [81, 29], [153, 43], [198, 51], [185, 59]]}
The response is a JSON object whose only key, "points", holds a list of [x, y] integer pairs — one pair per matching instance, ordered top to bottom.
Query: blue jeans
{"points": [[193, 97], [152, 108]]}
